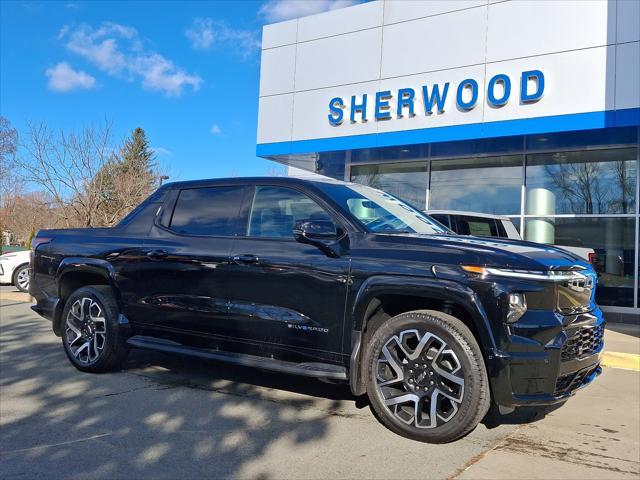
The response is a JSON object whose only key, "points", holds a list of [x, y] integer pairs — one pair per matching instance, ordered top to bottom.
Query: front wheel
{"points": [[21, 278], [91, 335], [426, 377]]}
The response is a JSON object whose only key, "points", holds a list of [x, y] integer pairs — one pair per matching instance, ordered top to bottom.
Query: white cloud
{"points": [[279, 10], [206, 33], [119, 51], [63, 78], [215, 129]]}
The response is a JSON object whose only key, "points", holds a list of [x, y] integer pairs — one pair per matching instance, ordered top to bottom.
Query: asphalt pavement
{"points": [[166, 416]]}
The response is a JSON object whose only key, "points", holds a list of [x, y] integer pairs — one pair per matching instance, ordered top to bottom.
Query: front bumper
{"points": [[549, 358]]}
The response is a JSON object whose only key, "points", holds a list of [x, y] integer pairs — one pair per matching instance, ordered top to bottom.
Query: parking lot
{"points": [[170, 417]]}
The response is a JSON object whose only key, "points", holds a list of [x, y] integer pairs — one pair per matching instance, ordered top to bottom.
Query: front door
{"points": [[284, 293]]}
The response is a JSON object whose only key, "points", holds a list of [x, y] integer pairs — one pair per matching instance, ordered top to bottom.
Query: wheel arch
{"points": [[16, 268], [74, 273], [380, 298]]}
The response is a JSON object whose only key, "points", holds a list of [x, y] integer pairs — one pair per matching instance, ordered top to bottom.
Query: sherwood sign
{"points": [[431, 97]]}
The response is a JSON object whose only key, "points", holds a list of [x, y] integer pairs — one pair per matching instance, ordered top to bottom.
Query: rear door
{"points": [[182, 275], [285, 293]]}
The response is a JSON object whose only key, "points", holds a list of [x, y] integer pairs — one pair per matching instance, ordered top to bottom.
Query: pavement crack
{"points": [[124, 392], [59, 444], [476, 458]]}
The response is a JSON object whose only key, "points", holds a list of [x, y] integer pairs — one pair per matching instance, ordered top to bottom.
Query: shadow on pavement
{"points": [[625, 328], [519, 416], [59, 422]]}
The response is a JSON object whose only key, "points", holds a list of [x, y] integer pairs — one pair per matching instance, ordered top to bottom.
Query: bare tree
{"points": [[68, 167], [10, 183], [27, 211]]}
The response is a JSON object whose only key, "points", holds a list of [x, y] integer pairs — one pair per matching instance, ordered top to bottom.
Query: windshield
{"points": [[380, 212]]}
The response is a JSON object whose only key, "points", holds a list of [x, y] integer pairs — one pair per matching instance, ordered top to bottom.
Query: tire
{"points": [[21, 278], [93, 345], [420, 359]]}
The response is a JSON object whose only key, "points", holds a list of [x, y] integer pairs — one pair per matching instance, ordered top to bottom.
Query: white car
{"points": [[489, 225], [14, 269]]}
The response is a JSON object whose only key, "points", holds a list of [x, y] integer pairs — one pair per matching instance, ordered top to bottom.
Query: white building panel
{"points": [[403, 10], [628, 12], [339, 21], [525, 28], [279, 34], [434, 43], [340, 60], [277, 70], [628, 75], [575, 82], [311, 109], [451, 115], [274, 118]]}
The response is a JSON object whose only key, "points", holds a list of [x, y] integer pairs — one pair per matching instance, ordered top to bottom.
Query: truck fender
{"points": [[74, 265], [420, 287]]}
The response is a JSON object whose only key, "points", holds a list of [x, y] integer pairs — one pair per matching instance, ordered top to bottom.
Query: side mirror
{"points": [[315, 230], [320, 233]]}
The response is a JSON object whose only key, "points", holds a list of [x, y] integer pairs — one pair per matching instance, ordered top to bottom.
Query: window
{"points": [[407, 181], [582, 182], [487, 185], [276, 210], [208, 211], [379, 212], [442, 218], [476, 226]]}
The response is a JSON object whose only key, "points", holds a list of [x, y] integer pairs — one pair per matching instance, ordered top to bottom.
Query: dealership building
{"points": [[527, 109]]}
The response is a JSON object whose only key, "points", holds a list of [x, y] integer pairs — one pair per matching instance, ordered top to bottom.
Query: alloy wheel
{"points": [[22, 279], [86, 330], [419, 379]]}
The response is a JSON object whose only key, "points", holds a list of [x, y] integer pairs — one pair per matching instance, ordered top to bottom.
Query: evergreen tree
{"points": [[136, 155], [127, 178], [32, 234]]}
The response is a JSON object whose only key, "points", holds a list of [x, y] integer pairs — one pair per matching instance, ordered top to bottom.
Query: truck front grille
{"points": [[584, 342]]}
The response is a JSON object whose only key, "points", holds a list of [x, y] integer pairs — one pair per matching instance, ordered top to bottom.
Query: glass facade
{"points": [[404, 180], [489, 185], [576, 189]]}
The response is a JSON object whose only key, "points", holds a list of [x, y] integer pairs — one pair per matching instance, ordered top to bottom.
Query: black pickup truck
{"points": [[330, 280]]}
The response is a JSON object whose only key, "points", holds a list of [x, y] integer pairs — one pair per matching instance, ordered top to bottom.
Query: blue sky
{"points": [[186, 72]]}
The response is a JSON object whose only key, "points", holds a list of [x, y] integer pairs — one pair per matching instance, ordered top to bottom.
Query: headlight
{"points": [[544, 276]]}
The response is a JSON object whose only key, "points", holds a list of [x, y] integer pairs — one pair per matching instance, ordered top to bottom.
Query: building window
{"points": [[407, 181], [581, 182], [487, 185], [609, 241]]}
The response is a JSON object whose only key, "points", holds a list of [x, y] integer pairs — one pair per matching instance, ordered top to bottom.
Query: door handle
{"points": [[157, 254], [246, 259]]}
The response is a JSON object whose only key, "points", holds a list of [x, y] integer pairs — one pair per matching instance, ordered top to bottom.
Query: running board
{"points": [[307, 369]]}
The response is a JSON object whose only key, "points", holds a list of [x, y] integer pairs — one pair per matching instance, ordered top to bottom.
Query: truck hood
{"points": [[484, 251]]}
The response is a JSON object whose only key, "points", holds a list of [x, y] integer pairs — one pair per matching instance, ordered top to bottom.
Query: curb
{"points": [[16, 296], [623, 361]]}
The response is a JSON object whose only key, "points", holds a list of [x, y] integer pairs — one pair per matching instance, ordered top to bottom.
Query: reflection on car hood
{"points": [[489, 251]]}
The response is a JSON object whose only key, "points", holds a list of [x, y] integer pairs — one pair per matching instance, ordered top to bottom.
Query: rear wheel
{"points": [[21, 278], [91, 336], [426, 377]]}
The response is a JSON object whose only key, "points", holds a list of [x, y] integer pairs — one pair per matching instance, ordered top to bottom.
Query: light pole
{"points": [[162, 178]]}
